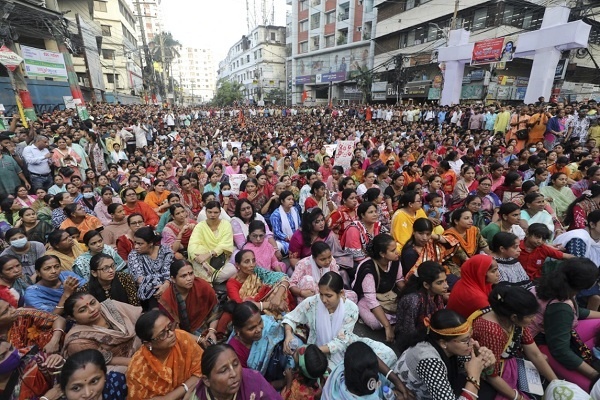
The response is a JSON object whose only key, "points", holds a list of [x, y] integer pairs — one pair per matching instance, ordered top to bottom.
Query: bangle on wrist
{"points": [[261, 306], [60, 307], [58, 330], [212, 330], [388, 373], [475, 382], [185, 387], [516, 394]]}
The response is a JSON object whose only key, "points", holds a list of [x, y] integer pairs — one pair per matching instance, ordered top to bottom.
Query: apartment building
{"points": [[150, 16], [409, 32], [329, 45], [257, 61], [196, 72]]}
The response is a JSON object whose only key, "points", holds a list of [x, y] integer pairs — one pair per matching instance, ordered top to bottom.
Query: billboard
{"points": [[493, 50], [345, 61], [43, 63]]}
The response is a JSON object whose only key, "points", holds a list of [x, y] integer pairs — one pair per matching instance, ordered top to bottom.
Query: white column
{"points": [[458, 42]]}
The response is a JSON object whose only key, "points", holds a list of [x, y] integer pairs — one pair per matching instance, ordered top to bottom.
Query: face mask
{"points": [[532, 150], [226, 193], [88, 195], [19, 243], [10, 363]]}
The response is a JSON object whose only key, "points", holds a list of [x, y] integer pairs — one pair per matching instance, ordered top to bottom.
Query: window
{"points": [[410, 4], [303, 5], [100, 6], [368, 6], [330, 18], [479, 19], [315, 21], [304, 25], [105, 30], [273, 36], [330, 41], [315, 43], [303, 47], [108, 54], [248, 58], [110, 78]]}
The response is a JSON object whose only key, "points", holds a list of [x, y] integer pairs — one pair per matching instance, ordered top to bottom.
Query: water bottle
{"points": [[294, 344], [388, 393]]}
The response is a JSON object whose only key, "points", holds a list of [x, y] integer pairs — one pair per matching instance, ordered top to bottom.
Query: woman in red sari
{"points": [[190, 197], [131, 205], [340, 219], [177, 232], [125, 242], [191, 302]]}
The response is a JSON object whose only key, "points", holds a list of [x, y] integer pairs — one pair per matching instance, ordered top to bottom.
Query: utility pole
{"points": [[455, 16], [162, 60], [149, 63], [87, 65], [115, 78]]}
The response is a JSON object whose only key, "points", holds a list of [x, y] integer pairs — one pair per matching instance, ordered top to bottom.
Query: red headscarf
{"points": [[471, 292]]}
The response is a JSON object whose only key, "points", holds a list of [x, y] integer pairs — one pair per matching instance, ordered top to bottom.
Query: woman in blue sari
{"points": [[95, 244], [53, 287]]}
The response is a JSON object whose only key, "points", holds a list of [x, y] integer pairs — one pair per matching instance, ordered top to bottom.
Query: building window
{"points": [[410, 4], [303, 5], [100, 6], [344, 12], [330, 18], [480, 19], [315, 21], [304, 25], [105, 30], [273, 36], [330, 41], [315, 43], [303, 47], [108, 54], [248, 58], [110, 78]]}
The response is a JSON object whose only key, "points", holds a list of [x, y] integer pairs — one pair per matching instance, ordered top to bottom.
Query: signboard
{"points": [[493, 50], [9, 58], [43, 63], [561, 69], [477, 75], [330, 77], [301, 80], [379, 86], [420, 88], [352, 90], [391, 90], [471, 92], [504, 92], [434, 93], [379, 96], [69, 102], [330, 149], [344, 154], [235, 180]]}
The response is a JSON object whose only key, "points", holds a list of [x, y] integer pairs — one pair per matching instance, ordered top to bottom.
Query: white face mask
{"points": [[532, 150], [226, 193], [88, 195], [19, 243]]}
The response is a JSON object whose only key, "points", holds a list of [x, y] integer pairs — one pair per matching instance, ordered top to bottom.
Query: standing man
{"points": [[502, 121], [38, 160], [12, 175]]}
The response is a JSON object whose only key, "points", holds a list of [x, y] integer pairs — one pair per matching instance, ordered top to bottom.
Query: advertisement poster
{"points": [[493, 50], [43, 63], [344, 153], [235, 180]]}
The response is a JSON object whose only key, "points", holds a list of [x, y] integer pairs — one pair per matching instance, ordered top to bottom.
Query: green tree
{"points": [[364, 81], [227, 93], [278, 95]]}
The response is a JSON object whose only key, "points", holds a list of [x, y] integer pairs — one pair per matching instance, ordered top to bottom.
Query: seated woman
{"points": [[375, 196], [562, 196], [157, 198], [319, 198], [132, 205], [101, 208], [410, 209], [534, 212], [245, 214], [576, 214], [77, 217], [509, 217], [341, 218], [164, 219], [285, 221], [117, 227], [35, 229], [315, 229], [177, 232], [361, 232], [467, 239], [125, 242], [584, 243], [95, 244], [211, 245], [64, 248], [23, 249], [506, 249], [266, 253], [149, 265], [13, 279], [376, 279], [105, 283], [53, 286], [268, 290], [471, 291], [423, 295], [191, 302], [330, 318], [108, 327], [503, 329], [564, 332], [167, 364], [430, 367], [86, 372], [246, 383]]}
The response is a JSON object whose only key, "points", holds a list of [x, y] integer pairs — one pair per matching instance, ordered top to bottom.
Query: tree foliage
{"points": [[227, 93], [277, 94]]}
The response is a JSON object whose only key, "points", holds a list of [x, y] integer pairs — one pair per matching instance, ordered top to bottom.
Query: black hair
{"points": [[556, 175], [511, 178], [343, 182], [316, 186], [526, 186], [411, 187], [595, 191], [346, 194], [371, 194], [282, 196], [432, 196], [408, 197], [530, 198], [212, 204], [174, 207], [112, 208], [507, 208], [70, 209], [238, 209], [362, 209], [23, 210], [457, 214], [130, 217], [593, 217], [256, 224], [306, 225], [423, 225], [539, 230], [73, 231], [12, 232], [89, 235], [148, 235], [55, 237], [502, 239], [379, 245], [318, 248], [240, 254], [6, 258], [40, 261], [176, 265], [427, 272], [570, 277], [333, 281], [507, 301], [70, 303], [242, 312], [145, 324], [211, 355], [315, 360], [78, 361], [360, 368]]}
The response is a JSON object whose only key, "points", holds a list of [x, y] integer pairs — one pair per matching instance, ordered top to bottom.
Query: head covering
{"points": [[471, 292]]}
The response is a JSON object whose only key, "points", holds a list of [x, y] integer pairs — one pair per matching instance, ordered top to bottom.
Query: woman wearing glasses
{"points": [[132, 205], [125, 242], [95, 244], [106, 283], [107, 326], [167, 364]]}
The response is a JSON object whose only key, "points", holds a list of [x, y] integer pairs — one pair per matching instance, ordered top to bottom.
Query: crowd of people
{"points": [[196, 253]]}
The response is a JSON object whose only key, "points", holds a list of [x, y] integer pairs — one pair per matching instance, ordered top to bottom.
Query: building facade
{"points": [[409, 32], [329, 45], [257, 61], [196, 72]]}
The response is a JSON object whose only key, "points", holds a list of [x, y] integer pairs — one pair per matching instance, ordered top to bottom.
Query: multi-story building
{"points": [[150, 17], [409, 32], [329, 43], [257, 61], [196, 72]]}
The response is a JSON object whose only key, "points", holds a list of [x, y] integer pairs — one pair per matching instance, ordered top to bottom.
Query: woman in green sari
{"points": [[558, 194]]}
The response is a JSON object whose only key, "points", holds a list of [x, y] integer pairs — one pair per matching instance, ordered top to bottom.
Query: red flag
{"points": [[304, 96]]}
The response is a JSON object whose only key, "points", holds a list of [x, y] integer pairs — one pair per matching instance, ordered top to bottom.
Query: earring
{"points": [[150, 347]]}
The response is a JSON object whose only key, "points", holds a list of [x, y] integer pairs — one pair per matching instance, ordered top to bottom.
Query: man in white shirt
{"points": [[38, 160]]}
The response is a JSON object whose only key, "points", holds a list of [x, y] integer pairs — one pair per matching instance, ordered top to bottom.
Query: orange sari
{"points": [[469, 245], [148, 377]]}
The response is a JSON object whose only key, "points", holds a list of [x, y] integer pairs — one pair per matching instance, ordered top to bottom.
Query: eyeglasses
{"points": [[131, 194], [136, 223], [108, 268], [165, 332], [463, 341]]}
